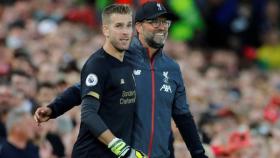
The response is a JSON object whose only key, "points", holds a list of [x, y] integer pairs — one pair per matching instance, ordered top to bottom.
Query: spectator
{"points": [[20, 131]]}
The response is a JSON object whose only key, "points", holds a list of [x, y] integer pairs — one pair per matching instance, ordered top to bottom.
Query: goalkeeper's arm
{"points": [[70, 98], [61, 104], [89, 116]]}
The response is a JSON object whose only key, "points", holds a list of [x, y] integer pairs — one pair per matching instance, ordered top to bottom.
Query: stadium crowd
{"points": [[230, 67]]}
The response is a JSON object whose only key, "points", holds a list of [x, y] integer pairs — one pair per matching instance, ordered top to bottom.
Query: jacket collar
{"points": [[137, 47]]}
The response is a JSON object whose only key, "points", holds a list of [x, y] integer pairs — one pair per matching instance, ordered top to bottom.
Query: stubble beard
{"points": [[153, 42], [118, 47]]}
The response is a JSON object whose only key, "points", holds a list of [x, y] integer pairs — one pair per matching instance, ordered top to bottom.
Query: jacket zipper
{"points": [[153, 104]]}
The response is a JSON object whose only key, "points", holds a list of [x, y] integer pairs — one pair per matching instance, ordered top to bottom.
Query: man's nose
{"points": [[162, 26], [126, 31]]}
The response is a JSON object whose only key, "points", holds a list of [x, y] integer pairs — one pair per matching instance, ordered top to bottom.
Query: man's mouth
{"points": [[160, 33], [124, 39]]}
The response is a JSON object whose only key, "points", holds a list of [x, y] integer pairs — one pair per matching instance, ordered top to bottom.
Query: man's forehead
{"points": [[121, 18]]}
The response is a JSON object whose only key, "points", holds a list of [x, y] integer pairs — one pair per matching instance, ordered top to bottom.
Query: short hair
{"points": [[115, 9], [20, 73], [47, 85], [14, 117]]}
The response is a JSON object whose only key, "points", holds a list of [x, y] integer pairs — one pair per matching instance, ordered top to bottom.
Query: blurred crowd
{"points": [[231, 68]]}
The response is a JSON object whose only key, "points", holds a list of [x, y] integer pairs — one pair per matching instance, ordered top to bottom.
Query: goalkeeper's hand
{"points": [[42, 114], [122, 150], [136, 154]]}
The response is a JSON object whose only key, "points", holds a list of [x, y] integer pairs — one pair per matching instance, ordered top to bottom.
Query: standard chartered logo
{"points": [[128, 97]]}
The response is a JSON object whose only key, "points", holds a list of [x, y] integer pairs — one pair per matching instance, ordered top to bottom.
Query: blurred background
{"points": [[228, 51]]}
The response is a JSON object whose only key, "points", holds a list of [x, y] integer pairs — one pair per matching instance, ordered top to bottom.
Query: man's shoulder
{"points": [[97, 56], [96, 61], [171, 63], [2, 142], [4, 146], [32, 147], [9, 150]]}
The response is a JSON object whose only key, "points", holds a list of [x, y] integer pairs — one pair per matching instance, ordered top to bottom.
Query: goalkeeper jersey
{"points": [[111, 82]]}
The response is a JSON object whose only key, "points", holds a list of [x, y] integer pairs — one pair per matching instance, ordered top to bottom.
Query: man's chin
{"points": [[159, 41], [155, 45], [121, 49]]}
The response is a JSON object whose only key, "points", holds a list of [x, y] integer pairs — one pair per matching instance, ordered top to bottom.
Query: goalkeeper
{"points": [[108, 92]]}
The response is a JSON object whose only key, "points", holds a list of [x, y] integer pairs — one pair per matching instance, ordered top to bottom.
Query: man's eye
{"points": [[154, 21], [119, 25]]}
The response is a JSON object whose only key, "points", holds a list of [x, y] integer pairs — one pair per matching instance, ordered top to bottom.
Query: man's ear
{"points": [[138, 27], [105, 29]]}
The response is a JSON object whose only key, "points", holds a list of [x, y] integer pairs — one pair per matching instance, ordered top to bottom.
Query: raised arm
{"points": [[64, 102]]}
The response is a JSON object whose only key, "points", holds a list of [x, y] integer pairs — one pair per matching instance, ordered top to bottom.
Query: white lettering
{"points": [[166, 88]]}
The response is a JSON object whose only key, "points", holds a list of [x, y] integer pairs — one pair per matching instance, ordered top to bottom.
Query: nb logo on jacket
{"points": [[137, 72]]}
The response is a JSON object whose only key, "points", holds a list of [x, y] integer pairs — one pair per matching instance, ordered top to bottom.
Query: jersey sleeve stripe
{"points": [[93, 94]]}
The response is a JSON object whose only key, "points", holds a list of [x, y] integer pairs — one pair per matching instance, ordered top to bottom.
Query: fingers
{"points": [[42, 112], [41, 115], [37, 117], [36, 120], [137, 154]]}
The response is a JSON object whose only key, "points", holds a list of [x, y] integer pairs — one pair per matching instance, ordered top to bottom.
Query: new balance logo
{"points": [[137, 72], [122, 81]]}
